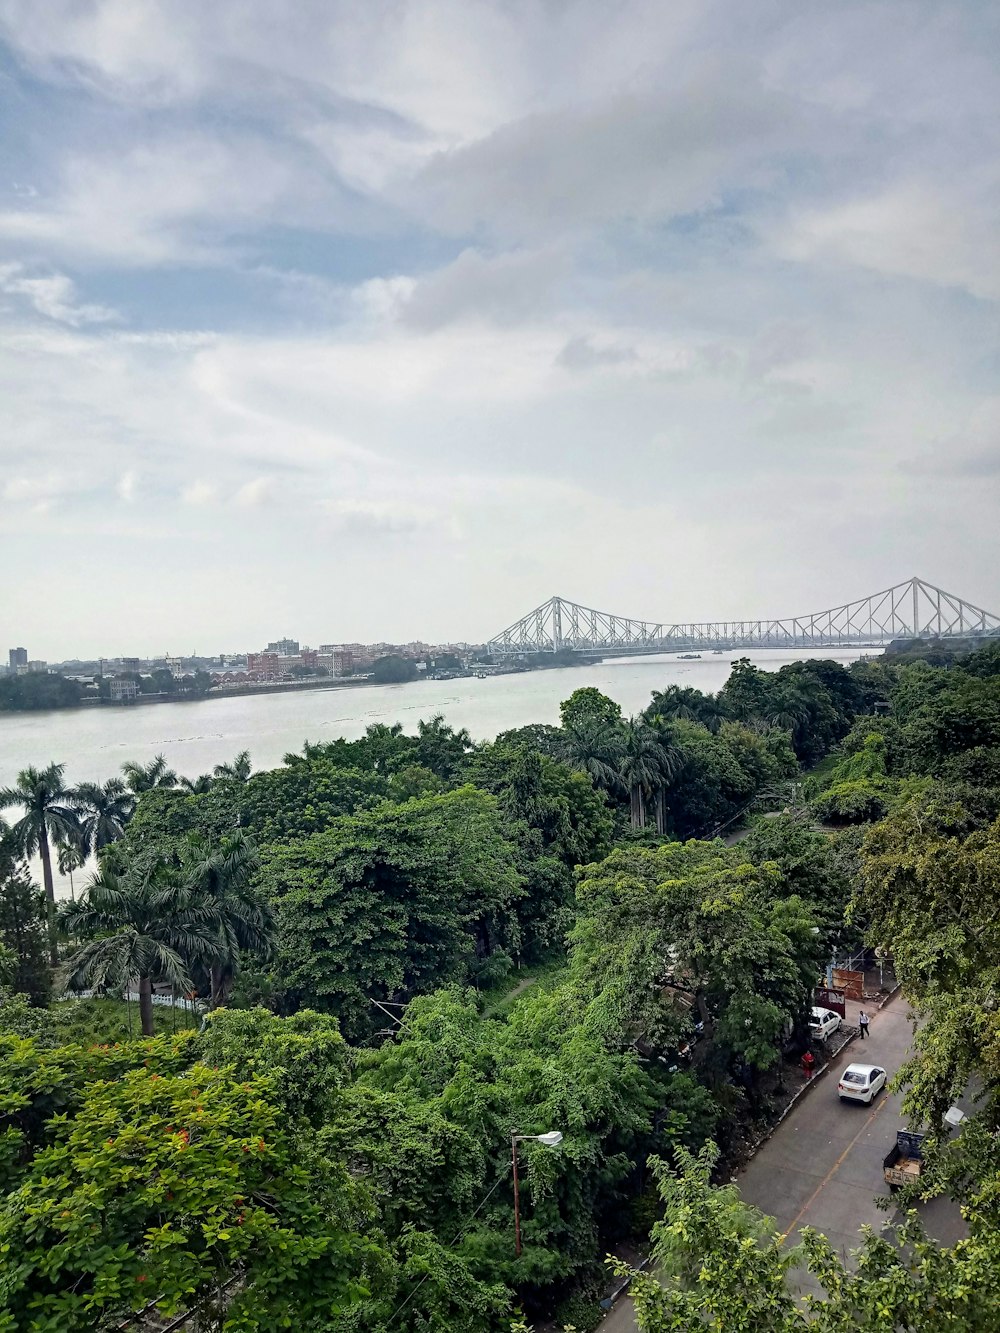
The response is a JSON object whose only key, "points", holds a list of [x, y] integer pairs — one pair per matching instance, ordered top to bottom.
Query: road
{"points": [[822, 1167]]}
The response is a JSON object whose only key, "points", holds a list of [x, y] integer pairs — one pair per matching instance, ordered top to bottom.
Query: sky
{"points": [[389, 319]]}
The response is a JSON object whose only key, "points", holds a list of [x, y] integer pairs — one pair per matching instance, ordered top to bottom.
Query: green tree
{"points": [[394, 670], [589, 705], [593, 746], [642, 767], [238, 770], [145, 777], [198, 786], [104, 812], [49, 817], [223, 877], [388, 903], [146, 925], [22, 928], [162, 1188]]}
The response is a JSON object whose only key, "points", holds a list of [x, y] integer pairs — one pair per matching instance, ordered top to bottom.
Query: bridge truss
{"points": [[910, 610]]}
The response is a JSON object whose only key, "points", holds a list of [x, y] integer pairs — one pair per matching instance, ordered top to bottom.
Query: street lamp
{"points": [[551, 1140]]}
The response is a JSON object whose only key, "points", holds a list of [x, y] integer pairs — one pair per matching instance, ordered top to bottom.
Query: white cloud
{"points": [[915, 229], [53, 295], [128, 486], [254, 493]]}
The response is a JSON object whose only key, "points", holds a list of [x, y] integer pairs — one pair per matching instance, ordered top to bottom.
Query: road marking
{"points": [[833, 1170]]}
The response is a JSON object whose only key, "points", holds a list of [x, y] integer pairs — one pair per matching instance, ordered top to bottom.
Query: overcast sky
{"points": [[389, 320]]}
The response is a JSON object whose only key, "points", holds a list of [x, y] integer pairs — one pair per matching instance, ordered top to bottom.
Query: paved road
{"points": [[823, 1166]]}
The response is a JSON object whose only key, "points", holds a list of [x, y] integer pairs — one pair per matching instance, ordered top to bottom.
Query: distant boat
{"points": [[718, 650], [690, 657]]}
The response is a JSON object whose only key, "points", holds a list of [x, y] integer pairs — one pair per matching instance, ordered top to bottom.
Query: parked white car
{"points": [[823, 1021], [861, 1083]]}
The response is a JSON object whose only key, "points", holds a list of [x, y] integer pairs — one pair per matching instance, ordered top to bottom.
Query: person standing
{"points": [[863, 1025]]}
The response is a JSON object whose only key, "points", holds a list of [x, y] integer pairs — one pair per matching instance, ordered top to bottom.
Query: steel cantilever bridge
{"points": [[910, 610]]}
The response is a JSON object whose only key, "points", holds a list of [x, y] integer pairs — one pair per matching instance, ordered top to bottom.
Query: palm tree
{"points": [[593, 747], [671, 758], [640, 767], [238, 771], [144, 777], [198, 786], [105, 810], [48, 817], [71, 857], [222, 879], [144, 925]]}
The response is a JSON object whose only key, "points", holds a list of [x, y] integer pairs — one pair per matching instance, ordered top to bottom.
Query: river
{"points": [[93, 743]]}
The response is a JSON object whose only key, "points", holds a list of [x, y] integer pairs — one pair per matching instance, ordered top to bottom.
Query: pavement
{"points": [[822, 1167]]}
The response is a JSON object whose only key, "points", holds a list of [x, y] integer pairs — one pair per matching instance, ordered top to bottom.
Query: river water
{"points": [[93, 743]]}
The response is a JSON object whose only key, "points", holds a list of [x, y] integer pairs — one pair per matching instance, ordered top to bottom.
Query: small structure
{"points": [[123, 690]]}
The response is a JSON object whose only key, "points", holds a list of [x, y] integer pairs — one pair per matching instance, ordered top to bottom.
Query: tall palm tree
{"points": [[594, 747], [671, 761], [640, 767], [237, 771], [144, 777], [199, 785], [104, 812], [49, 817], [71, 857], [221, 877], [145, 925]]}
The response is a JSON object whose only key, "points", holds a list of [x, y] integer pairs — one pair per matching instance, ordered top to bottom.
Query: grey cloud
{"points": [[505, 289], [582, 353]]}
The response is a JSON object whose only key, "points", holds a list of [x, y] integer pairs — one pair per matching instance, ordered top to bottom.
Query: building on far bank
{"points": [[284, 647], [18, 658], [38, 666]]}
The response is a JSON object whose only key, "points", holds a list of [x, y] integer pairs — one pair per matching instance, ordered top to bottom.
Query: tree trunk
{"points": [[638, 807], [661, 810], [50, 893], [146, 1006]]}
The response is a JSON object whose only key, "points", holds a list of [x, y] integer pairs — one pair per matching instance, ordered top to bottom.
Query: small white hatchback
{"points": [[823, 1021], [861, 1083]]}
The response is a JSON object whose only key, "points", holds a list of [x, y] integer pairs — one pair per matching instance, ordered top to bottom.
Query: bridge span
{"points": [[911, 610]]}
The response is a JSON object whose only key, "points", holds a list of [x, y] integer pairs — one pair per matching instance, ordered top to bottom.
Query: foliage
{"points": [[393, 670], [38, 689], [49, 817], [388, 903], [22, 928], [163, 1187]]}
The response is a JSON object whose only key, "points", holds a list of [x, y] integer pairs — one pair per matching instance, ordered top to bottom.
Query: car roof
{"points": [[818, 1009], [862, 1069]]}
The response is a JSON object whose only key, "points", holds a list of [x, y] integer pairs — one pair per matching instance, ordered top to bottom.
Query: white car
{"points": [[823, 1021], [861, 1083]]}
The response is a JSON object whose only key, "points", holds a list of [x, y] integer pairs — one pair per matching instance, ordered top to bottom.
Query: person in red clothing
{"points": [[808, 1061]]}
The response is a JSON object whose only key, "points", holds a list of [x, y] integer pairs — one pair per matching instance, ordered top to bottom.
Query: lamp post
{"points": [[551, 1140]]}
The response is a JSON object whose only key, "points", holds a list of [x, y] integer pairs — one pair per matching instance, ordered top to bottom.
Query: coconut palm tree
{"points": [[594, 747], [640, 767], [237, 771], [144, 777], [199, 785], [104, 812], [49, 817], [221, 877], [145, 925]]}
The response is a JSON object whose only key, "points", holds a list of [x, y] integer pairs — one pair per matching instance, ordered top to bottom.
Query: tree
{"points": [[393, 670], [589, 704], [592, 746], [440, 748], [641, 767], [238, 770], [145, 777], [198, 786], [105, 811], [49, 817], [71, 857], [223, 877], [389, 903], [146, 925], [22, 928], [163, 1187], [719, 1264]]}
